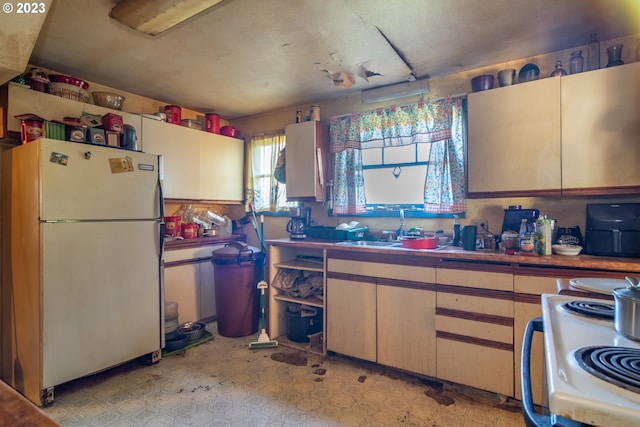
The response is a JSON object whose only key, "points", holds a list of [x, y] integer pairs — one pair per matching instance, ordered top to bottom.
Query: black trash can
{"points": [[236, 268]]}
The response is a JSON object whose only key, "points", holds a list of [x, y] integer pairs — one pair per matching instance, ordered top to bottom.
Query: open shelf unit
{"points": [[302, 259]]}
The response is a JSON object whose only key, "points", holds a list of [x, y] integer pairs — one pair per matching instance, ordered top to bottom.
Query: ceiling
{"points": [[245, 57]]}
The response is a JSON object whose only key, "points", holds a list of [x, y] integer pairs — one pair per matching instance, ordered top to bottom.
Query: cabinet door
{"points": [[23, 100], [601, 130], [513, 142], [180, 149], [306, 160], [221, 167], [181, 284], [351, 318], [406, 329]]}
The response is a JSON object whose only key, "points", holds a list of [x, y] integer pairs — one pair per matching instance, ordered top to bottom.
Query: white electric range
{"points": [[575, 347]]}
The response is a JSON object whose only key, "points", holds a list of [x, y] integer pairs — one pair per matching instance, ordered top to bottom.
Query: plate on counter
{"points": [[598, 285]]}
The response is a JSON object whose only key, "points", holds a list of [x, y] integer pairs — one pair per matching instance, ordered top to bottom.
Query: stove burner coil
{"points": [[597, 310], [616, 365]]}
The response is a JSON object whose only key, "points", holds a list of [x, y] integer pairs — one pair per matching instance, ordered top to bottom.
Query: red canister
{"points": [[174, 114], [212, 123], [31, 130], [172, 226], [189, 231]]}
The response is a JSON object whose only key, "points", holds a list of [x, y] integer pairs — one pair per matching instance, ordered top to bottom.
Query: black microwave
{"points": [[613, 229]]}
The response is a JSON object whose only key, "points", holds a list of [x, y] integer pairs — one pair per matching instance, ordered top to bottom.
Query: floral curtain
{"points": [[439, 123], [263, 189]]}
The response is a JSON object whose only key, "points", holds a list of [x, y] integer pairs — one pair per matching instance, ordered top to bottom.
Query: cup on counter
{"points": [[469, 234]]}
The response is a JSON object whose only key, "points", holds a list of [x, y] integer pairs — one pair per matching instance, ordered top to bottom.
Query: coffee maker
{"points": [[300, 220]]}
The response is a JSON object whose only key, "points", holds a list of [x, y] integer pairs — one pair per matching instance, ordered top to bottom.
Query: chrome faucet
{"points": [[400, 231]]}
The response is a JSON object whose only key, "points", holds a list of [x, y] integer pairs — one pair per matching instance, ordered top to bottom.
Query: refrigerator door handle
{"points": [[161, 202]]}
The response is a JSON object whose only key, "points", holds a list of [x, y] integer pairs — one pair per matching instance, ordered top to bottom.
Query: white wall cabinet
{"points": [[20, 100], [601, 131], [572, 135], [513, 143], [180, 150], [307, 153], [197, 165], [221, 167]]}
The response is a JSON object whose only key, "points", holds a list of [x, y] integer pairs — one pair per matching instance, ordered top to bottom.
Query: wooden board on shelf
{"points": [[312, 301]]}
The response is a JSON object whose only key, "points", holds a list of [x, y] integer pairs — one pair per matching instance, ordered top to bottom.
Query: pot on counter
{"points": [[411, 242], [627, 309]]}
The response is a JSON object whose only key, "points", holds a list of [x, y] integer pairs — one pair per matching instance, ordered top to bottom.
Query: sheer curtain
{"points": [[439, 123], [263, 190]]}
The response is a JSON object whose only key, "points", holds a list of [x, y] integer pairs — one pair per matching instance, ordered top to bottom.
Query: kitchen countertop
{"points": [[170, 244], [457, 253]]}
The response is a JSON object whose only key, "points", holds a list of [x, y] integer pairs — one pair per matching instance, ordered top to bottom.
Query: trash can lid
{"points": [[236, 252]]}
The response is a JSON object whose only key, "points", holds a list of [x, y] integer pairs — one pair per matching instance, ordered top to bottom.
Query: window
{"points": [[407, 156], [395, 175], [263, 189]]}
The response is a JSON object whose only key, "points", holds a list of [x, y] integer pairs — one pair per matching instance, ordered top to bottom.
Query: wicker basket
{"points": [[68, 91]]}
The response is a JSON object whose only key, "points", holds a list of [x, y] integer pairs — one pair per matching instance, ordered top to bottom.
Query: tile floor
{"points": [[223, 383]]}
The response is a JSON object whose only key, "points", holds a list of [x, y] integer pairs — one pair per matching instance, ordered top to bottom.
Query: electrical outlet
{"points": [[482, 224]]}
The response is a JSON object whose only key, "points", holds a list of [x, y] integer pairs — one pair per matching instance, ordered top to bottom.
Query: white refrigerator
{"points": [[81, 252]]}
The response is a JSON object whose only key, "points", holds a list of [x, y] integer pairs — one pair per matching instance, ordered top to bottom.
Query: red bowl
{"points": [[60, 78], [229, 131], [419, 242]]}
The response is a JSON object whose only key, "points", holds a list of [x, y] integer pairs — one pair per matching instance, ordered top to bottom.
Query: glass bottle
{"points": [[593, 54], [614, 55], [576, 63], [559, 71]]}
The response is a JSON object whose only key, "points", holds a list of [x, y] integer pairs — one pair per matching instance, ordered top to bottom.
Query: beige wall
{"points": [[569, 211]]}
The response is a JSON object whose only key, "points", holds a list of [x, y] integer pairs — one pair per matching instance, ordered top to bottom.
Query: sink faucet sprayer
{"points": [[400, 231]]}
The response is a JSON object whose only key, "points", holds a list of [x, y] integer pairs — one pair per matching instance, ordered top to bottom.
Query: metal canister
{"points": [[315, 113], [174, 114], [212, 123], [30, 130]]}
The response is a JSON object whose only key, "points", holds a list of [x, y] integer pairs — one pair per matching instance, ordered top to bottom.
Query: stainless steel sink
{"points": [[370, 243]]}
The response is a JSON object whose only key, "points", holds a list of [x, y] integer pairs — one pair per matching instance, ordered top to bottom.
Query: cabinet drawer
{"points": [[387, 271], [476, 279], [535, 285], [474, 304], [476, 329], [474, 365]]}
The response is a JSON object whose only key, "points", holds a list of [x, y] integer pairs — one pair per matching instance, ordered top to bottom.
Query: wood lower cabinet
{"points": [[189, 280], [382, 310], [351, 317], [474, 325]]}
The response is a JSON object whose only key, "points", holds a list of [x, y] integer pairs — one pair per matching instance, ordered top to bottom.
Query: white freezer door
{"points": [[83, 181], [101, 296]]}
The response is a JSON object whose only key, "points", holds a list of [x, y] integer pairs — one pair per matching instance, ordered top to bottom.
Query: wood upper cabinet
{"points": [[18, 99], [601, 131], [572, 135], [513, 143], [180, 150], [307, 160], [197, 165], [221, 167]]}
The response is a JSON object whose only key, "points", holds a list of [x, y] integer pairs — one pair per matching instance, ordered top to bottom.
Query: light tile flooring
{"points": [[223, 383]]}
